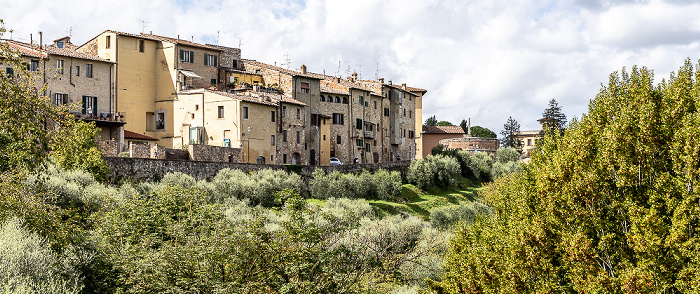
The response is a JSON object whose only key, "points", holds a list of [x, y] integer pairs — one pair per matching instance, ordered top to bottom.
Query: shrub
{"points": [[505, 155], [480, 164], [434, 171], [380, 185], [260, 187], [446, 218], [28, 265]]}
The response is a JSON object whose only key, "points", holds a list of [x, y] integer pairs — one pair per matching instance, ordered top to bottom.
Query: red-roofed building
{"points": [[433, 134]]}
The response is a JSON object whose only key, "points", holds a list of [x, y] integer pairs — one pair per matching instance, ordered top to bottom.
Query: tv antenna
{"points": [[143, 25], [217, 37], [287, 61], [376, 75]]}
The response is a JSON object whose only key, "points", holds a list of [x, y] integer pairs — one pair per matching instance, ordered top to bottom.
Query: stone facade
{"points": [[200, 152]]}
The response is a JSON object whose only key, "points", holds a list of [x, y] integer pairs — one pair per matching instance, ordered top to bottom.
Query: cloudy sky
{"points": [[487, 60]]}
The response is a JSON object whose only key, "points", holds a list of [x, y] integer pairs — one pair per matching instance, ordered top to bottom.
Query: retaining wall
{"points": [[147, 169]]}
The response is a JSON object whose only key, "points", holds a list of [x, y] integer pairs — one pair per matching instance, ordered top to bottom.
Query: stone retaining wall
{"points": [[147, 169]]}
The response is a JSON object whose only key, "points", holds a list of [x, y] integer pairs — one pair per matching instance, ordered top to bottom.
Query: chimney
{"points": [[31, 39], [41, 39], [303, 69], [354, 76], [381, 80], [390, 84], [403, 86], [469, 127]]}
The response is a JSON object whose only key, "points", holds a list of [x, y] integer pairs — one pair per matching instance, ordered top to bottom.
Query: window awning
{"points": [[190, 74]]}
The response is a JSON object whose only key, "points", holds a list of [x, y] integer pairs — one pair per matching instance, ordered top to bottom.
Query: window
{"points": [[108, 42], [59, 44], [141, 46], [186, 56], [210, 60], [33, 65], [59, 66], [10, 71], [77, 71], [88, 71], [213, 81], [304, 87], [60, 99], [323, 99], [337, 99], [345, 100], [362, 100], [375, 104], [89, 105], [284, 111], [386, 111], [221, 112], [245, 112], [404, 112], [298, 113], [410, 113], [272, 116], [314, 119], [338, 119], [160, 121], [358, 124], [411, 134], [284, 136], [298, 137], [324, 137], [272, 140], [338, 140], [529, 142], [360, 143], [272, 158], [284, 158]]}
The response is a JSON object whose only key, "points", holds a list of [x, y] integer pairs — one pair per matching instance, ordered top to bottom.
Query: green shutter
{"points": [[182, 54], [191, 56], [216, 60], [85, 104], [94, 106], [359, 124]]}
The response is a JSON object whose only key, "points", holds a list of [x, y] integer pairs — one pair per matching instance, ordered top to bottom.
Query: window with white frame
{"points": [[186, 56], [210, 60], [59, 66], [60, 99]]}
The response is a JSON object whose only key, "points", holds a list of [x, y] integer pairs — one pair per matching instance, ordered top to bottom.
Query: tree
{"points": [[552, 117], [431, 121], [444, 123], [509, 132], [609, 206]]}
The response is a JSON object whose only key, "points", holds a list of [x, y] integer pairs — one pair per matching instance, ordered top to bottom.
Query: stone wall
{"points": [[471, 144], [110, 148], [139, 151], [200, 152], [146, 169]]}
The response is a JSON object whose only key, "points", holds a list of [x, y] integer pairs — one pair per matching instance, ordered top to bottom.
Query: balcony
{"points": [[369, 134]]}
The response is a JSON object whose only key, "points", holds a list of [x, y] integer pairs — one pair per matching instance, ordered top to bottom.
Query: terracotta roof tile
{"points": [[180, 41], [36, 52], [280, 69], [245, 98], [442, 130], [137, 136]]}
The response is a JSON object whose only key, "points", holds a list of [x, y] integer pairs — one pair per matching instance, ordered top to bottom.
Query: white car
{"points": [[336, 161]]}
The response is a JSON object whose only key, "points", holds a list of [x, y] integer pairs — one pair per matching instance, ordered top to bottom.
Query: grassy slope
{"points": [[418, 202]]}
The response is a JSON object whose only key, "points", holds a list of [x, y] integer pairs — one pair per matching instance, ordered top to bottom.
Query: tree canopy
{"points": [[552, 117], [431, 121], [509, 132], [609, 206]]}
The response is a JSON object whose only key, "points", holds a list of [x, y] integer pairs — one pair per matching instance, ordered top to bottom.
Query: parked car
{"points": [[336, 161]]}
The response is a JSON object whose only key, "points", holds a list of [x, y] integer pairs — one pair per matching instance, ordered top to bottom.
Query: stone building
{"points": [[82, 82], [433, 134], [472, 144]]}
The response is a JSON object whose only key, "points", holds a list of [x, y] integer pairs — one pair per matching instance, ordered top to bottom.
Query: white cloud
{"points": [[481, 59]]}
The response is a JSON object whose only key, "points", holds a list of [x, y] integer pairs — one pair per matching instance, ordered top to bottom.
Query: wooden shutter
{"points": [[191, 56], [65, 99], [85, 104], [94, 106]]}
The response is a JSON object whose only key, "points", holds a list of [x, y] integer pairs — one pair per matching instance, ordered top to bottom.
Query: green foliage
{"points": [[553, 118], [431, 121], [444, 123], [482, 132], [509, 132], [73, 147], [437, 150], [434, 171], [380, 185], [259, 187], [610, 206], [447, 217], [29, 265]]}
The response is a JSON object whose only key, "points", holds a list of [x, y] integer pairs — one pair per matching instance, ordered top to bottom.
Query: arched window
{"points": [[323, 98], [337, 99], [345, 100]]}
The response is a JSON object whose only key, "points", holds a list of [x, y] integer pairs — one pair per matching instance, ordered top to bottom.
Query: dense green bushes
{"points": [[434, 171], [380, 185], [610, 206], [446, 218]]}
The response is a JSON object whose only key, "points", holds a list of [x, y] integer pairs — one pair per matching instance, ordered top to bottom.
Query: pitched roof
{"points": [[120, 34], [180, 42], [36, 52], [280, 69], [412, 89], [245, 98], [287, 99], [442, 130], [137, 136]]}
